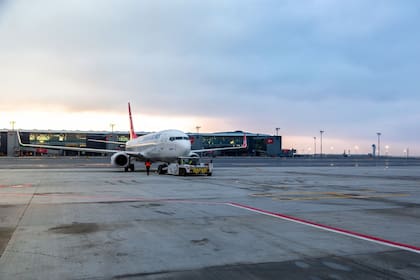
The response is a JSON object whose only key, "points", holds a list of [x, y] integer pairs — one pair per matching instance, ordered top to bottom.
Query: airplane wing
{"points": [[106, 141], [243, 146], [78, 149]]}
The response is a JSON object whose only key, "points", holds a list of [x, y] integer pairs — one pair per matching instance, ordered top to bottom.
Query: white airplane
{"points": [[163, 146]]}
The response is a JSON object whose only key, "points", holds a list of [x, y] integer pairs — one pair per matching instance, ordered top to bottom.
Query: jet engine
{"points": [[193, 155], [120, 159]]}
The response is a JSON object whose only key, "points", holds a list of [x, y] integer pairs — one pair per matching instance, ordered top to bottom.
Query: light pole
{"points": [[12, 123], [112, 125], [198, 129], [277, 131], [321, 132], [379, 143], [112, 146], [314, 146], [406, 153]]}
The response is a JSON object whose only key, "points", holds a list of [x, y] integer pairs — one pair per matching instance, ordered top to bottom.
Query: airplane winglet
{"points": [[133, 135], [245, 143]]}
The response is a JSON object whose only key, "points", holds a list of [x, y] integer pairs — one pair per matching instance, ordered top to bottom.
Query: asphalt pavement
{"points": [[78, 218]]}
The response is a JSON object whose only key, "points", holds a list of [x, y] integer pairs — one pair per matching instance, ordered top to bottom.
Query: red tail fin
{"points": [[133, 135]]}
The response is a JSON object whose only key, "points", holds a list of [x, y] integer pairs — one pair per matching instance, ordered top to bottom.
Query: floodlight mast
{"points": [[321, 132]]}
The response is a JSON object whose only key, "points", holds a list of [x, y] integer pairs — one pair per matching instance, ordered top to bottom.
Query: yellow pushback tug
{"points": [[189, 166]]}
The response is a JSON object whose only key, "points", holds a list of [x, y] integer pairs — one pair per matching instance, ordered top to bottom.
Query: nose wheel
{"points": [[162, 169]]}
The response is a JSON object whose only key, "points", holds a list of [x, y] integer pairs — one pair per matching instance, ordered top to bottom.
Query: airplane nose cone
{"points": [[184, 147]]}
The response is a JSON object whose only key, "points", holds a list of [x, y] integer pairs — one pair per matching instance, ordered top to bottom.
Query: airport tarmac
{"points": [[81, 219]]}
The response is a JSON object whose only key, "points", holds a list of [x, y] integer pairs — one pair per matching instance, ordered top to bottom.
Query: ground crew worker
{"points": [[147, 163]]}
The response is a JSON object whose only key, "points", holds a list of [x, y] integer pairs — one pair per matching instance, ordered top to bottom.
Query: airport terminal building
{"points": [[258, 144]]}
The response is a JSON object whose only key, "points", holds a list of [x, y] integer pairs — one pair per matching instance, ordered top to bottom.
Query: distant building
{"points": [[258, 144]]}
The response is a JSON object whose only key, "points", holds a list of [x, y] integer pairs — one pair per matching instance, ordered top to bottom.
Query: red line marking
{"points": [[16, 186], [362, 236]]}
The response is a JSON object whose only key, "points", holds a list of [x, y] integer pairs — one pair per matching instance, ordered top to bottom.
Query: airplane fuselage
{"points": [[165, 146]]}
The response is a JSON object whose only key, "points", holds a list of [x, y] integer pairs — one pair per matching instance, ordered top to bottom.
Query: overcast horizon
{"points": [[349, 68]]}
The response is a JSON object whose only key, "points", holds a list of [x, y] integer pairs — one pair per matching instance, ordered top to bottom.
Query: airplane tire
{"points": [[131, 167], [126, 169]]}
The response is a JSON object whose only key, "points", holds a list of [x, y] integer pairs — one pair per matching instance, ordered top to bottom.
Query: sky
{"points": [[349, 68]]}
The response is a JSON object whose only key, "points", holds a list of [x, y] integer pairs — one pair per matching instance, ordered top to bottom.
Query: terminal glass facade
{"points": [[123, 138], [58, 139], [209, 142], [3, 143], [258, 144]]}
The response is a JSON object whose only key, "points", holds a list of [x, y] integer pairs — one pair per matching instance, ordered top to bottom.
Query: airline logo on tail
{"points": [[133, 135]]}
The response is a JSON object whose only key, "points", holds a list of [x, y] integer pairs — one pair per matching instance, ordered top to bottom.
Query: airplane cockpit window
{"points": [[178, 138]]}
